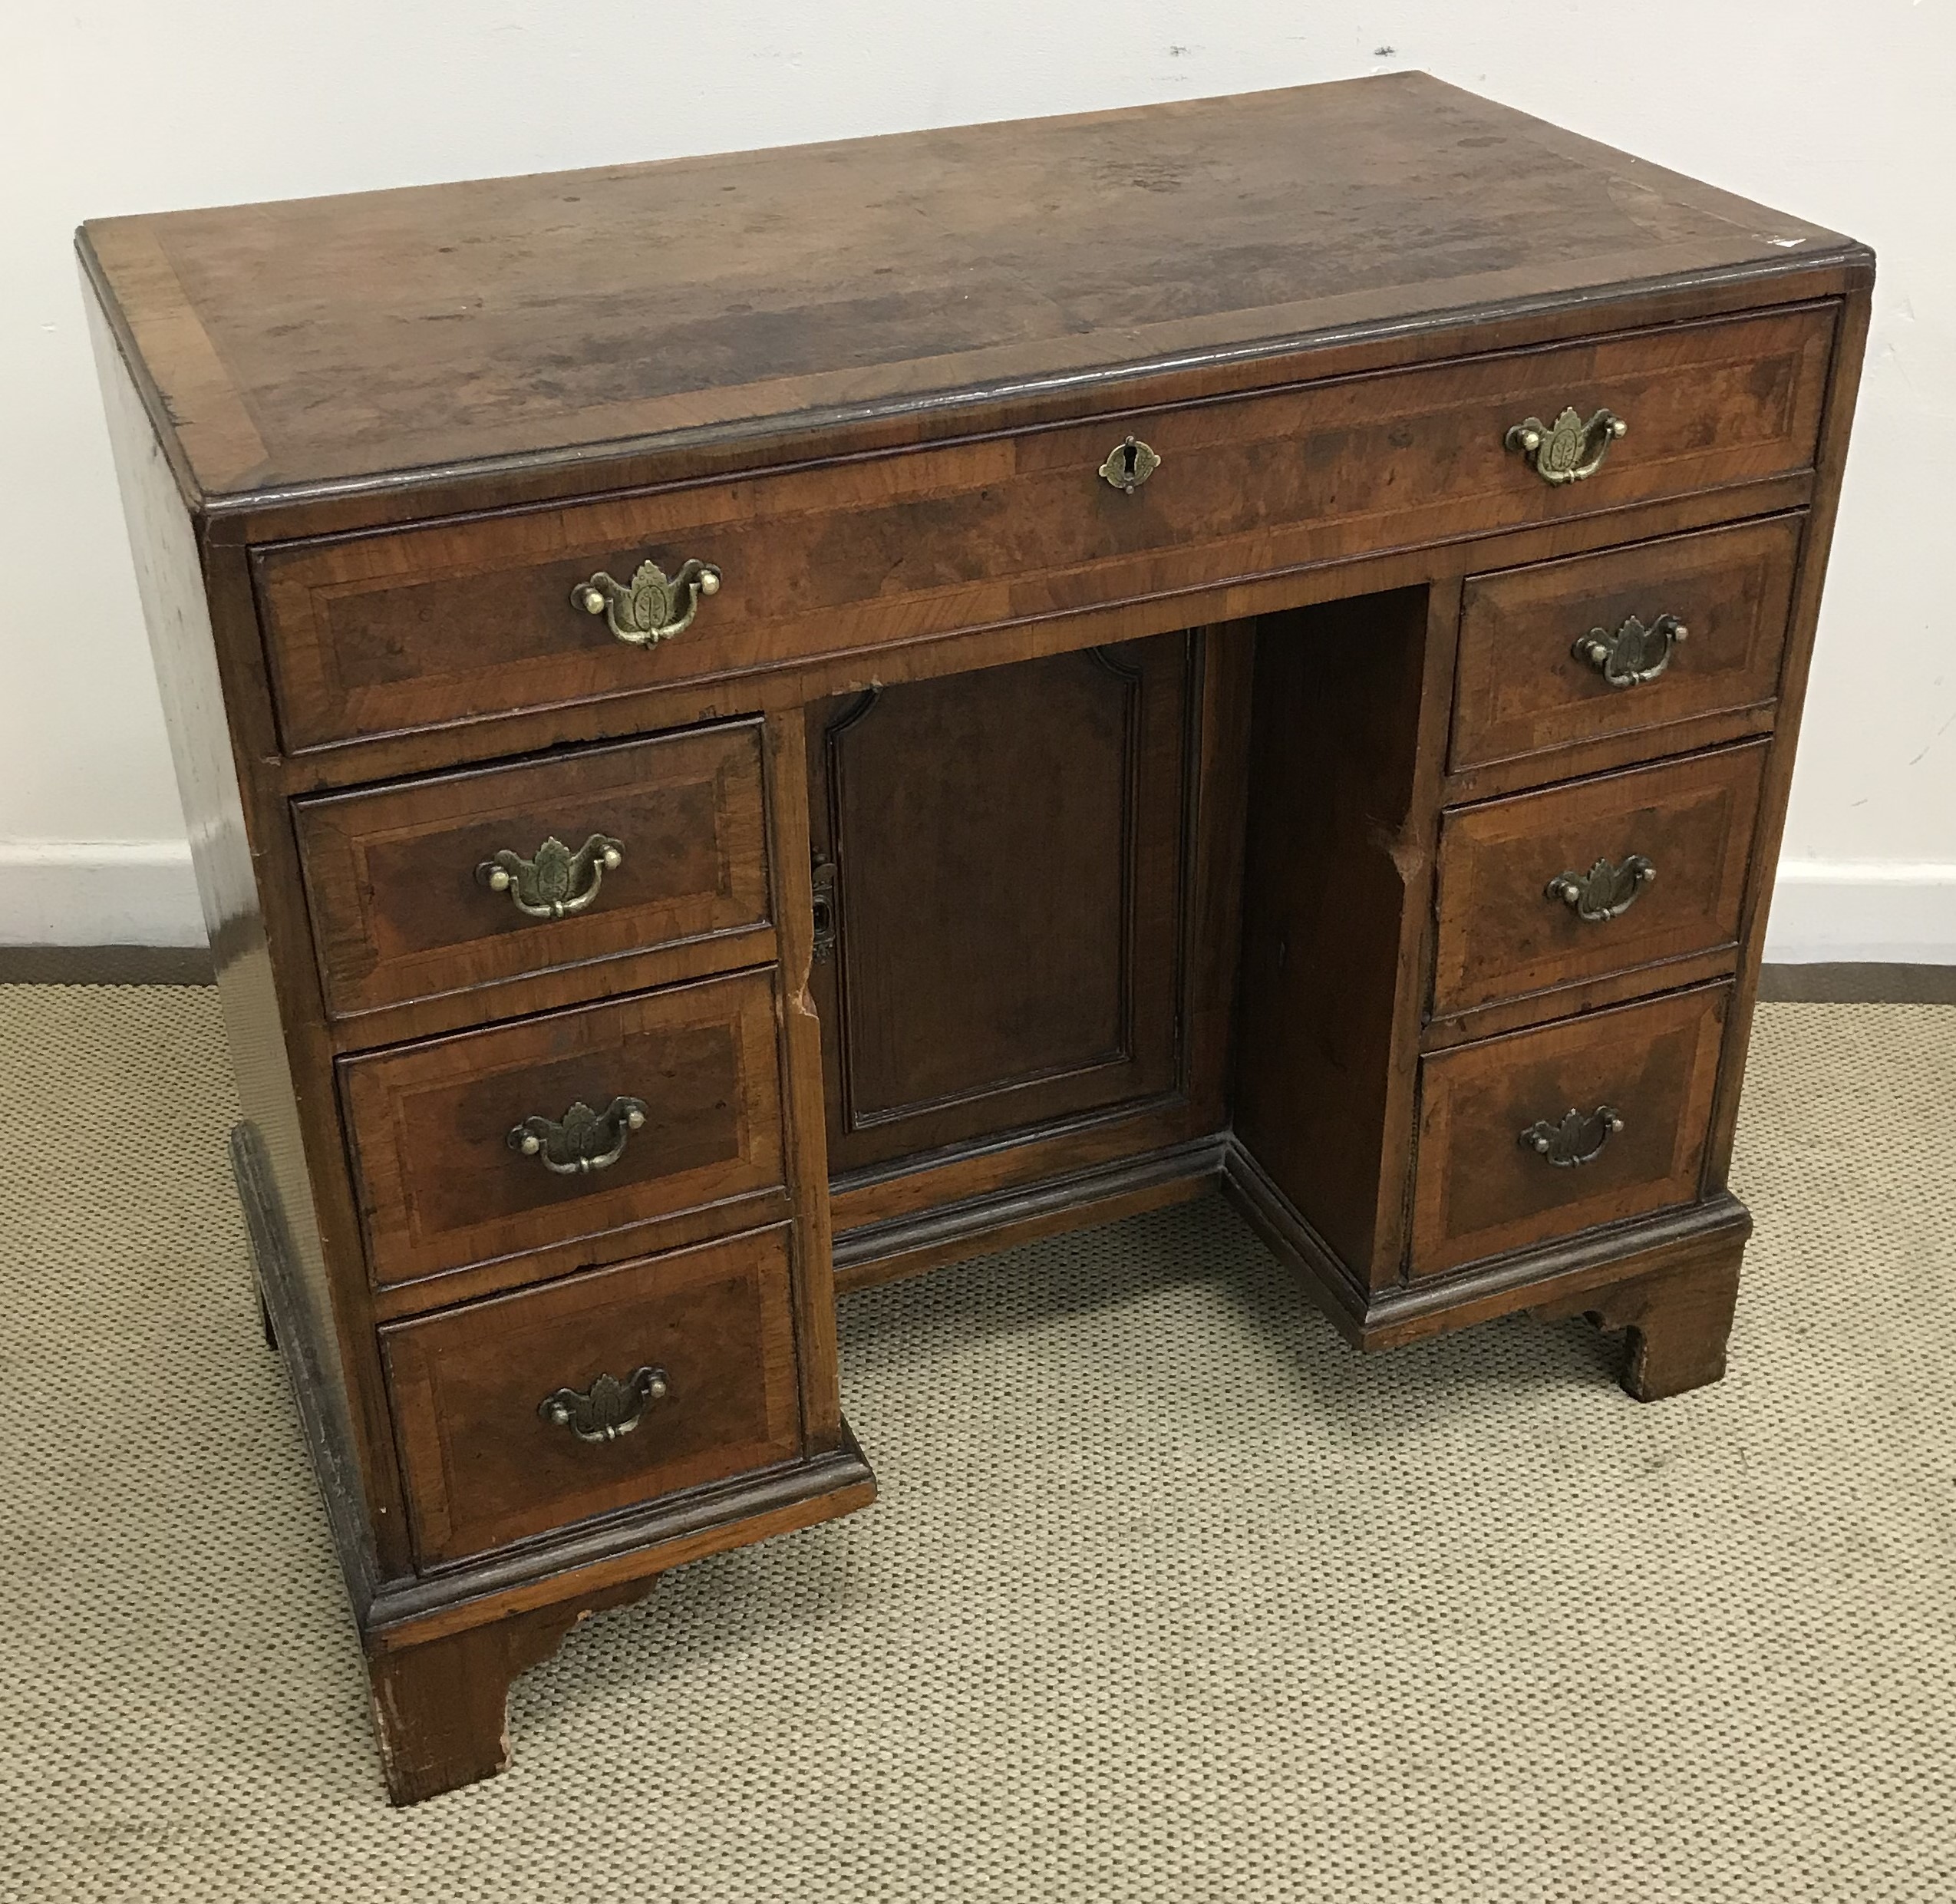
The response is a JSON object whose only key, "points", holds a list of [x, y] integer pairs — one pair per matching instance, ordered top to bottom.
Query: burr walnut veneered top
{"points": [[329, 340]]}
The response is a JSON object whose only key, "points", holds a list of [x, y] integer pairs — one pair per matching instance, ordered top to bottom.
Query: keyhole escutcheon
{"points": [[1130, 464]]}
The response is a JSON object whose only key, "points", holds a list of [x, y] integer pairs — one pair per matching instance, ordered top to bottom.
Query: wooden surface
{"points": [[329, 339], [1843, 388], [379, 634], [207, 658], [1524, 690], [1302, 709], [1341, 812], [1008, 849], [401, 915], [1503, 935], [798, 1034], [441, 1190], [1478, 1190], [980, 1192], [1678, 1322], [484, 1468], [441, 1709]]}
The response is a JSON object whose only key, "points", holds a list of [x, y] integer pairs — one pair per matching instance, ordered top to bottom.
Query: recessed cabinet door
{"points": [[999, 894]]}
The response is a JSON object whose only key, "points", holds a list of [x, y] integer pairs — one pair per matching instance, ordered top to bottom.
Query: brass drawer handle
{"points": [[1570, 450], [1129, 463], [652, 609], [1634, 654], [558, 882], [1605, 892], [584, 1139], [1574, 1139], [607, 1409]]}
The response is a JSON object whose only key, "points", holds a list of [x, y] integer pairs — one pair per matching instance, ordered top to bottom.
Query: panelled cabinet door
{"points": [[999, 874]]}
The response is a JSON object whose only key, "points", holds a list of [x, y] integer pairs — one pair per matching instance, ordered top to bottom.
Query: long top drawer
{"points": [[463, 620]]}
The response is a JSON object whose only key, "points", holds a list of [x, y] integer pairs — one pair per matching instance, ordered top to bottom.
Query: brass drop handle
{"points": [[1567, 450], [1129, 463], [652, 607], [1634, 654], [558, 882], [1605, 892], [1573, 1139], [582, 1140], [609, 1407]]}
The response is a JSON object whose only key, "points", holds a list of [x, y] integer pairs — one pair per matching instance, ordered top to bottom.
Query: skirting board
{"points": [[96, 892], [1840, 911]]}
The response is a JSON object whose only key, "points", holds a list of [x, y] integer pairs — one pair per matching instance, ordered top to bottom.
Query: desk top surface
{"points": [[336, 340]]}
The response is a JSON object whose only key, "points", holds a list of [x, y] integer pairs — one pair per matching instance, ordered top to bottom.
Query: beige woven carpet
{"points": [[1168, 1595]]}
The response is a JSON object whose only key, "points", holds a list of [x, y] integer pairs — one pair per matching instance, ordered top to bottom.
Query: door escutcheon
{"points": [[821, 882]]}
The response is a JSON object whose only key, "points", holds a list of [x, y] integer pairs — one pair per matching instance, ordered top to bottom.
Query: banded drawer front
{"points": [[379, 633], [1564, 652], [1595, 878], [464, 880], [1535, 1136], [570, 1138], [531, 1412]]}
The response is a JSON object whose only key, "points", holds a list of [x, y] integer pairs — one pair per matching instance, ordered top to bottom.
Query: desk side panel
{"points": [[1837, 422], [352, 1455]]}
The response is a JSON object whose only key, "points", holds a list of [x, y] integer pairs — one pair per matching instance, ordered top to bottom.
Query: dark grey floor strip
{"points": [[105, 965], [1858, 985]]}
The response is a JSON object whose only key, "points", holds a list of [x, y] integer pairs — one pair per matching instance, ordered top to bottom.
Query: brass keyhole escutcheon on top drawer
{"points": [[1567, 450], [1129, 463], [651, 607], [557, 882], [1606, 891], [1573, 1139], [583, 1140], [609, 1407]]}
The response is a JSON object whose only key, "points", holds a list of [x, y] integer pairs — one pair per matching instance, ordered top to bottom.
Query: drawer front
{"points": [[380, 633], [1549, 657], [1596, 877], [410, 899], [438, 1131], [1515, 1142], [508, 1427]]}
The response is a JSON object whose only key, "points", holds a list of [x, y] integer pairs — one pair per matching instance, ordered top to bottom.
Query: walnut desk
{"points": [[753, 724]]}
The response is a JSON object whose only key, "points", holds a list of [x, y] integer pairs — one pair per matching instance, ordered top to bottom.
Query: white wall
{"points": [[1842, 113]]}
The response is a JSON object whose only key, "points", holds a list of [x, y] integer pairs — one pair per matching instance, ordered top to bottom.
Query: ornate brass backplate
{"points": [[1569, 449], [651, 608], [1634, 653], [558, 882], [1605, 892], [1573, 1139], [582, 1140], [608, 1408]]}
